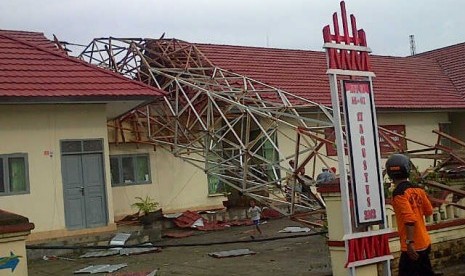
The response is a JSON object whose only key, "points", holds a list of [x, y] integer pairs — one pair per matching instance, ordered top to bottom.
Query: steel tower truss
{"points": [[217, 120]]}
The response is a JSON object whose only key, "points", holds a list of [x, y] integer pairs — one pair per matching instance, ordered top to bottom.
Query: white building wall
{"points": [[418, 127], [36, 129], [176, 184]]}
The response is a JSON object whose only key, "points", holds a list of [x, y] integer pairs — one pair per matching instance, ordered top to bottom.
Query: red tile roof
{"points": [[32, 37], [452, 61], [32, 68], [401, 82]]}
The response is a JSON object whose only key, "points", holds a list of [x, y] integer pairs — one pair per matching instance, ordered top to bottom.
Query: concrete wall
{"points": [[35, 129], [176, 184], [447, 232], [14, 243], [446, 248]]}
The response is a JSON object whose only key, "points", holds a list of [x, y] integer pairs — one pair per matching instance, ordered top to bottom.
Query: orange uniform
{"points": [[411, 204]]}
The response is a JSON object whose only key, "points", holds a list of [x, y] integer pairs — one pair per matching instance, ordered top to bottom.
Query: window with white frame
{"points": [[130, 169], [14, 176]]}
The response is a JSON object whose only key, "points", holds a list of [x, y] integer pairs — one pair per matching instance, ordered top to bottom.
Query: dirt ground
{"points": [[296, 254], [303, 255]]}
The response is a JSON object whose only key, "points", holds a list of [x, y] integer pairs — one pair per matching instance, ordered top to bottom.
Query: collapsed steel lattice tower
{"points": [[219, 121]]}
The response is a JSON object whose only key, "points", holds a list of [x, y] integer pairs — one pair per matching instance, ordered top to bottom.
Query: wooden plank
{"points": [[453, 139], [444, 187], [435, 200], [311, 223]]}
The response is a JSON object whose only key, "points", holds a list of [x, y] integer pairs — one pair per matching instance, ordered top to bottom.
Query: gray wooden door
{"points": [[84, 190]]}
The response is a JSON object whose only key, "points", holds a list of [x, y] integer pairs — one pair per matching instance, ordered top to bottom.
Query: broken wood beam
{"points": [[453, 139], [438, 185], [304, 221]]}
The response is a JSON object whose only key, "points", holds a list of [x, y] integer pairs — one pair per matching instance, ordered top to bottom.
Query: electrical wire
{"points": [[145, 245]]}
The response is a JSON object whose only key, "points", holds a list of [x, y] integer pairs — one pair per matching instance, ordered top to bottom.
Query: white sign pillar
{"points": [[361, 190], [346, 215]]}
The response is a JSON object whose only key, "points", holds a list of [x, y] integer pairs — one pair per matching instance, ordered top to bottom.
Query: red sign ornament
{"points": [[342, 58], [368, 248]]}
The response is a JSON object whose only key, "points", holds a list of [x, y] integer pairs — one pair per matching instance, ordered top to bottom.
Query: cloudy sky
{"points": [[292, 24]]}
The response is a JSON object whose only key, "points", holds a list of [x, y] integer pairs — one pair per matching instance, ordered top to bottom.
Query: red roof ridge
{"points": [[21, 31], [256, 47], [445, 48], [282, 49], [442, 56], [76, 60], [443, 70]]}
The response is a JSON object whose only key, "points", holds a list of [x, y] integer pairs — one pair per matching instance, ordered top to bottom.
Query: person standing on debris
{"points": [[324, 176], [293, 183], [410, 204], [254, 213]]}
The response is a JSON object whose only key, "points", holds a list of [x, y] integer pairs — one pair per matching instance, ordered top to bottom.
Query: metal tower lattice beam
{"points": [[219, 121]]}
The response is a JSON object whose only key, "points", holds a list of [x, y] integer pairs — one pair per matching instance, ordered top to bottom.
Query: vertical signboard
{"points": [[363, 152]]}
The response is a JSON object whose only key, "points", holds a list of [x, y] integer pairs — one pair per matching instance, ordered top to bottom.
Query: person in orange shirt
{"points": [[410, 204]]}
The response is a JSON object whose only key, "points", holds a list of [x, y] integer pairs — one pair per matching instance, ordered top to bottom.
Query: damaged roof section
{"points": [[32, 68]]}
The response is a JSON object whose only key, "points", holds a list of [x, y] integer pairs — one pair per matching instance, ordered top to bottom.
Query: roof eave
{"points": [[74, 99], [115, 106], [421, 109]]}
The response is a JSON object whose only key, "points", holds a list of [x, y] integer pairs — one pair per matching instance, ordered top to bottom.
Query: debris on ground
{"points": [[210, 212], [268, 213], [172, 216], [129, 218], [190, 219], [194, 220], [240, 222], [294, 229], [177, 234], [120, 239], [145, 248], [138, 250], [101, 253], [232, 253], [53, 257], [181, 260], [100, 268], [146, 273]]}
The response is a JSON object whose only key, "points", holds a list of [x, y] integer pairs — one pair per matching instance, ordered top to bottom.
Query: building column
{"points": [[331, 194], [14, 230]]}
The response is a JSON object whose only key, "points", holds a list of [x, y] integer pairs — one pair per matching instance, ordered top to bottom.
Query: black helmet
{"points": [[398, 166]]}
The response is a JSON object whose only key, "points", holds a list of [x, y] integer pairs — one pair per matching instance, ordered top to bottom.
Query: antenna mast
{"points": [[413, 48]]}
